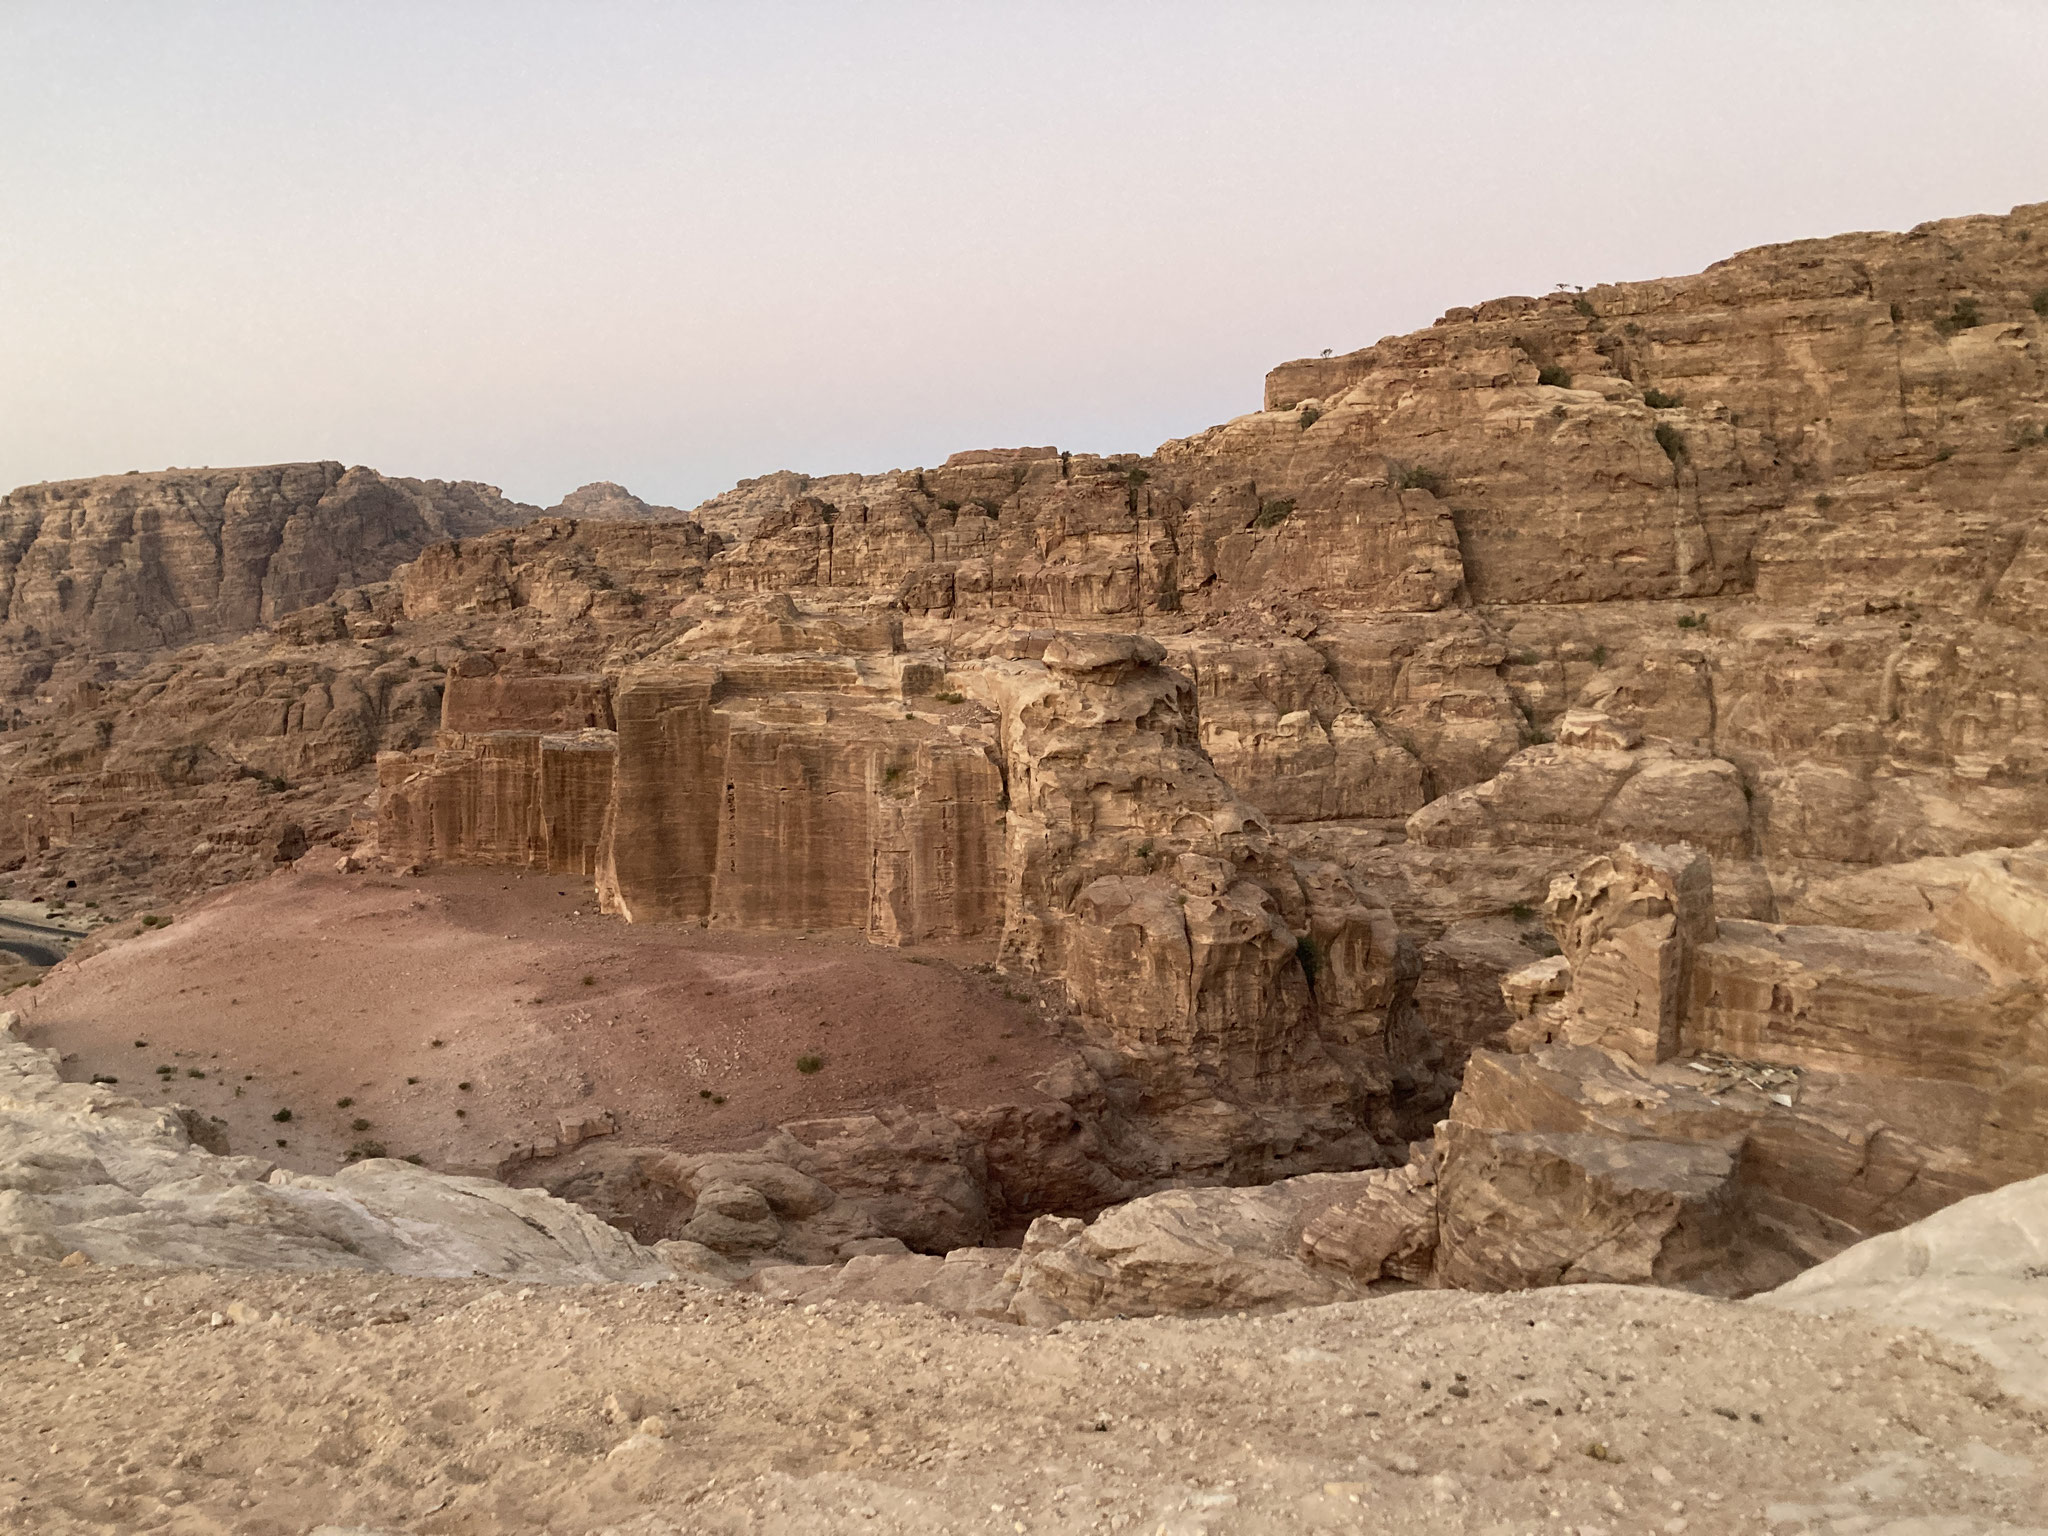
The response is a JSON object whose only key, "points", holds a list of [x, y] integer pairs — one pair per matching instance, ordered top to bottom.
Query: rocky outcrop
{"points": [[604, 501], [135, 562], [1262, 751], [1735, 1095], [86, 1170], [1184, 1251], [1971, 1273]]}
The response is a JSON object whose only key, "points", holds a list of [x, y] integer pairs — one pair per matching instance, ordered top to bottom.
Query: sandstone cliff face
{"points": [[133, 562], [1267, 747], [774, 784]]}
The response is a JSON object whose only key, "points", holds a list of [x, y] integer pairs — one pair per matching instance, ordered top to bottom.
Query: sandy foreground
{"points": [[181, 1401]]}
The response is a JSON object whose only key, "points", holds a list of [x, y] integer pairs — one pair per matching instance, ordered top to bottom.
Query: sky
{"points": [[676, 244]]}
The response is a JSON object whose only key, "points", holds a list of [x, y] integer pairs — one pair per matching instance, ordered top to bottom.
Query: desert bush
{"points": [[2040, 303], [1962, 316], [1554, 376], [1657, 400], [1310, 415], [1672, 441], [1414, 477], [1273, 513], [810, 1064], [282, 1117]]}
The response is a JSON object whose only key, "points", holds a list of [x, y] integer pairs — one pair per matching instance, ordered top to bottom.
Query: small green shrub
{"points": [[2040, 303], [1585, 307], [1898, 313], [1962, 315], [1554, 376], [1657, 400], [1310, 415], [1672, 441], [1943, 455], [1137, 477], [1416, 478], [1823, 501], [1274, 513], [1692, 621], [1599, 655], [1524, 658], [948, 696], [1145, 849], [1521, 912], [590, 981], [437, 1044], [142, 1045], [809, 1064], [194, 1072], [412, 1082], [465, 1087], [703, 1093], [718, 1098], [343, 1103], [462, 1114], [282, 1117], [359, 1124], [365, 1149]]}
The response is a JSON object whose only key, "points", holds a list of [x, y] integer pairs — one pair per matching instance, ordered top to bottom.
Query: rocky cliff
{"points": [[141, 561], [1718, 599]]}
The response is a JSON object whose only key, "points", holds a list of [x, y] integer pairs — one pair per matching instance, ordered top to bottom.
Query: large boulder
{"points": [[84, 1169], [1976, 1273]]}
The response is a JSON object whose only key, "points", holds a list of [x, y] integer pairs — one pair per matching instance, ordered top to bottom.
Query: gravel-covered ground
{"points": [[459, 1014], [179, 1401]]}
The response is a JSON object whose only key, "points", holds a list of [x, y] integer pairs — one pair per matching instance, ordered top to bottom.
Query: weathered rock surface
{"points": [[133, 562], [1262, 750], [85, 1170], [1185, 1251], [1973, 1273]]}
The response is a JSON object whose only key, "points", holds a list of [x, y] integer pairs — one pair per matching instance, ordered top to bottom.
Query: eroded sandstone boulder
{"points": [[84, 1169]]}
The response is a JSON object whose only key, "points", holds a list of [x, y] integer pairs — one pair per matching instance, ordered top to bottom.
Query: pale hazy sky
{"points": [[674, 244]]}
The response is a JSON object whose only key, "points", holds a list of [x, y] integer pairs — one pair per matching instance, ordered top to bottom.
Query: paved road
{"points": [[37, 943]]}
